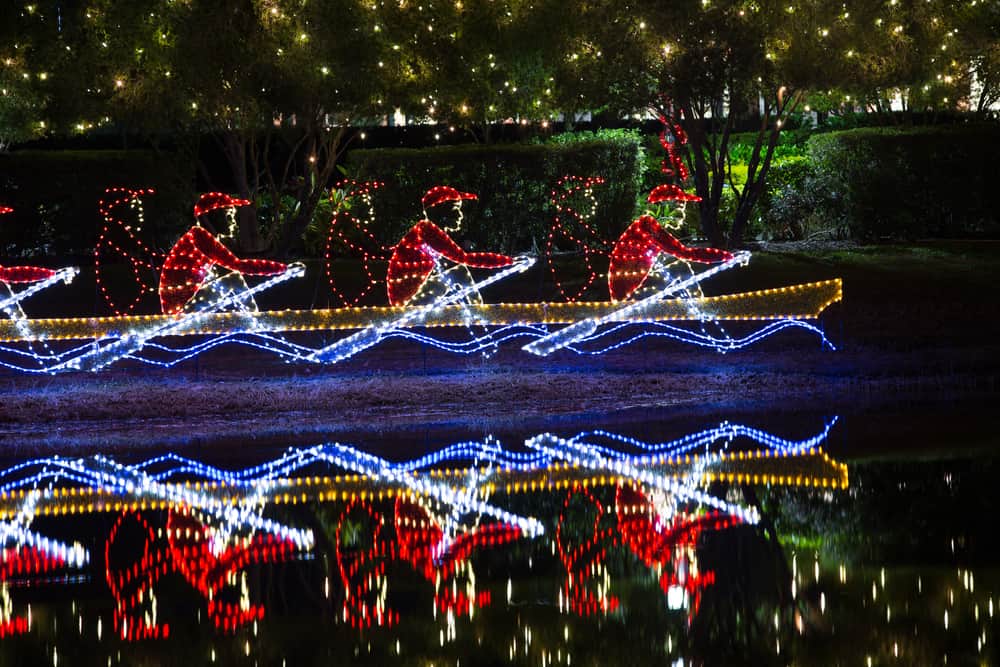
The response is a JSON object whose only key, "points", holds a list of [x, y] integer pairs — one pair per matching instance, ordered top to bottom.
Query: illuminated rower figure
{"points": [[646, 252], [200, 270], [11, 275], [417, 275], [37, 278]]}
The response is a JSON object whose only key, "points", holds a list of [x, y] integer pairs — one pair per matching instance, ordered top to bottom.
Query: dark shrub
{"points": [[907, 183], [514, 184], [55, 195]]}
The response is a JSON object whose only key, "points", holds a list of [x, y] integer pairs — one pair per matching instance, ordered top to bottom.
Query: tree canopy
{"points": [[284, 85]]}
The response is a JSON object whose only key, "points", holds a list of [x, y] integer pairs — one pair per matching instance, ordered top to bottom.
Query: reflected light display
{"points": [[426, 524]]}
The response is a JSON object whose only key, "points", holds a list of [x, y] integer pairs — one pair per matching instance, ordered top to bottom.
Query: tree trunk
{"points": [[234, 147], [315, 189], [752, 191], [708, 215]]}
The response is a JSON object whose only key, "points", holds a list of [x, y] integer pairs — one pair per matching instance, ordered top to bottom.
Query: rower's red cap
{"points": [[669, 192], [442, 193], [213, 200], [5, 209]]}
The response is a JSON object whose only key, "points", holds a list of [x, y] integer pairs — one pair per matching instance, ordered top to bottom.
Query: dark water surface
{"points": [[792, 537]]}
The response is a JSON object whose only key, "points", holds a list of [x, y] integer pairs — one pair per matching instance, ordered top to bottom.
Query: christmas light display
{"points": [[571, 230], [350, 233], [119, 241], [200, 273], [416, 273], [38, 279], [203, 293], [787, 307], [632, 311], [417, 315], [233, 499], [427, 516], [661, 535], [416, 539], [665, 540], [191, 550], [583, 558], [442, 559], [21, 562]]}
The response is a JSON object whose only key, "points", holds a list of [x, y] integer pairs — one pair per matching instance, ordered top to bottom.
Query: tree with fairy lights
{"points": [[730, 61], [473, 64], [728, 64], [278, 85], [22, 98]]}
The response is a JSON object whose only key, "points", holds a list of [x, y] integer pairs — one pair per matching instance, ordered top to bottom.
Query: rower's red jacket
{"points": [[637, 249], [192, 257], [414, 257], [24, 274]]}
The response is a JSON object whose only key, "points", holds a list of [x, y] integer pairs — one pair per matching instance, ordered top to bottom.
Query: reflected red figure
{"points": [[417, 254], [189, 266], [22, 274], [419, 542], [422, 544], [668, 545], [188, 551], [582, 558], [21, 562], [362, 571]]}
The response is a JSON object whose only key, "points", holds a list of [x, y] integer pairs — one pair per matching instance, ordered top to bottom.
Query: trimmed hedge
{"points": [[513, 182], [905, 183], [55, 195]]}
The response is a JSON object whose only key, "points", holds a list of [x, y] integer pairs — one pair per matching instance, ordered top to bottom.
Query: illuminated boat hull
{"points": [[806, 301]]}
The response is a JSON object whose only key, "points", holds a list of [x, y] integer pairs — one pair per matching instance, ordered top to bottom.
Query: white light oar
{"points": [[66, 275], [636, 310], [375, 332], [98, 357], [581, 454]]}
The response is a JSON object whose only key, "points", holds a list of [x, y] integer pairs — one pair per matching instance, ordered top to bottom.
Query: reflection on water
{"points": [[728, 544]]}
